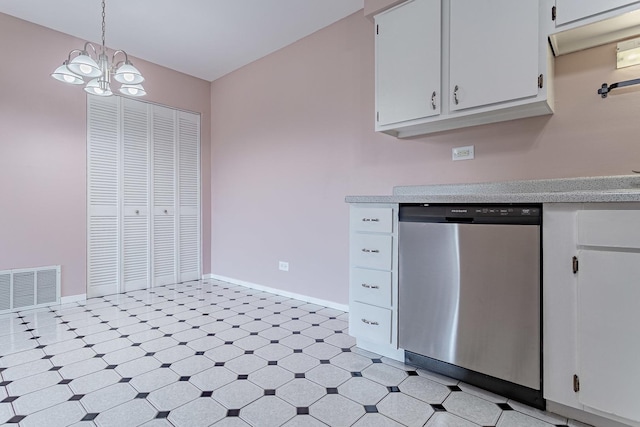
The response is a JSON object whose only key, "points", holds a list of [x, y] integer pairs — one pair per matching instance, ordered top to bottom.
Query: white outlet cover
{"points": [[463, 153]]}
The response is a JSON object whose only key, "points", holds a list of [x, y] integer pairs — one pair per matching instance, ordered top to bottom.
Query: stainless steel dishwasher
{"points": [[470, 292]]}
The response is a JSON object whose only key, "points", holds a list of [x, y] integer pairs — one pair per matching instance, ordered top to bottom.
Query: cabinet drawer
{"points": [[379, 220], [610, 228], [371, 251], [371, 286], [370, 323]]}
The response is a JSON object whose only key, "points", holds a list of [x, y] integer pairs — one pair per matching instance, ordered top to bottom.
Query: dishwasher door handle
{"points": [[458, 220]]}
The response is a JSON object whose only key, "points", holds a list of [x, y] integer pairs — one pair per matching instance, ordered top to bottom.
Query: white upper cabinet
{"points": [[573, 10], [582, 24], [408, 42], [493, 52], [446, 64]]}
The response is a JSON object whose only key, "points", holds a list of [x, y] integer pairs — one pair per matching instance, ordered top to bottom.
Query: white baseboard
{"points": [[73, 298], [312, 300]]}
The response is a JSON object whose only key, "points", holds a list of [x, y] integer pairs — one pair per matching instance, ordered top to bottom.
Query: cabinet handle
{"points": [[455, 94], [433, 100], [166, 211], [137, 212], [370, 220], [373, 251], [364, 285], [370, 322]]}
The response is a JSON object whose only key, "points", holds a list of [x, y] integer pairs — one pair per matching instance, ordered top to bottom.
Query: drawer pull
{"points": [[370, 220], [372, 251], [364, 285], [370, 322]]}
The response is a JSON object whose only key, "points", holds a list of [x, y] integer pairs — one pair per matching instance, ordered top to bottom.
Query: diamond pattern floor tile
{"points": [[208, 352]]}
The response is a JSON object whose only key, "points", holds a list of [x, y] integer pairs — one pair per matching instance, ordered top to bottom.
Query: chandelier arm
{"points": [[89, 44], [71, 53], [113, 58]]}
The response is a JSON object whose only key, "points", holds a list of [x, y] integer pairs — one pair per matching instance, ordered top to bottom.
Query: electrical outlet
{"points": [[463, 153], [283, 265]]}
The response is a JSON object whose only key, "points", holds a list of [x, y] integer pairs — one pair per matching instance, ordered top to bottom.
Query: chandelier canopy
{"points": [[96, 67]]}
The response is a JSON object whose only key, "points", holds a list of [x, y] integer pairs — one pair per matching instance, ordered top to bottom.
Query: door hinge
{"points": [[553, 13], [377, 29], [540, 81], [377, 116], [574, 264], [576, 383]]}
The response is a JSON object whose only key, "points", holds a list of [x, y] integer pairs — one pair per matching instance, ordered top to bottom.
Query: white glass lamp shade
{"points": [[84, 65], [63, 74], [128, 74], [93, 87], [132, 90]]}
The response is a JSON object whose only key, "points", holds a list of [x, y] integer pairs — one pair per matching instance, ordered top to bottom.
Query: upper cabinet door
{"points": [[573, 10], [493, 59], [408, 62]]}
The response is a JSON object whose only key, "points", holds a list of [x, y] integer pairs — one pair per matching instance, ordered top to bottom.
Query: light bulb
{"points": [[85, 68], [128, 77], [69, 79], [133, 90], [98, 91]]}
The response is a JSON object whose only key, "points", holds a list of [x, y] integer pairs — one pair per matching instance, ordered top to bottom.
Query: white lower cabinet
{"points": [[373, 288], [591, 317]]}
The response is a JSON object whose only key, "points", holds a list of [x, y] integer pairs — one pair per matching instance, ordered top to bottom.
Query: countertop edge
{"points": [[597, 189], [568, 197]]}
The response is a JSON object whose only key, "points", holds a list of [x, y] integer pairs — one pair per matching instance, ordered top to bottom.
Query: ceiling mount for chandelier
{"points": [[88, 63]]}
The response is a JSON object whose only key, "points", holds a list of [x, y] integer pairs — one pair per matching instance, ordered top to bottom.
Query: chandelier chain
{"points": [[103, 25]]}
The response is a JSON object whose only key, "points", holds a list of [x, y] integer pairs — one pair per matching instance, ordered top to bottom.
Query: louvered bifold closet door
{"points": [[102, 182], [135, 190], [164, 195], [189, 196]]}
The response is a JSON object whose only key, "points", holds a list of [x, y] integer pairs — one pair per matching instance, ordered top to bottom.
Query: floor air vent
{"points": [[29, 288]]}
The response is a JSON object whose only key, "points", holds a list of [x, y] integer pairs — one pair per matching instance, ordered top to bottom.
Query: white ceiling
{"points": [[203, 38]]}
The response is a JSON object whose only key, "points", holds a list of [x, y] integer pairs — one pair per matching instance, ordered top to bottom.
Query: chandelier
{"points": [[98, 70]]}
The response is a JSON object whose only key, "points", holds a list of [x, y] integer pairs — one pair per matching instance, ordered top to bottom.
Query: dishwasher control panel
{"points": [[469, 213]]}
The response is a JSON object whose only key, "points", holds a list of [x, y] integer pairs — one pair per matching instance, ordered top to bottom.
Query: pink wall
{"points": [[293, 135], [43, 150]]}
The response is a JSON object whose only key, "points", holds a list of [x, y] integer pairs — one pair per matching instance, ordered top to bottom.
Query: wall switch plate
{"points": [[463, 153], [283, 265]]}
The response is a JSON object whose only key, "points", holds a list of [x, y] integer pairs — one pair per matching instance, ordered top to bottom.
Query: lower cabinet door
{"points": [[370, 323], [608, 338]]}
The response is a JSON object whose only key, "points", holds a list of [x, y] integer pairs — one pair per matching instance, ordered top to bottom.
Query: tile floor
{"points": [[210, 353]]}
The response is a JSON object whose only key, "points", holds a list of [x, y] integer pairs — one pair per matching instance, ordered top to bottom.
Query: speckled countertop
{"points": [[623, 188]]}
